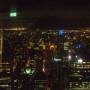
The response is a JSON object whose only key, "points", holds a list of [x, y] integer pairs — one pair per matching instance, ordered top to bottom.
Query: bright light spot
{"points": [[13, 14], [61, 32], [52, 46], [76, 56], [69, 57], [57, 59], [80, 61], [43, 69], [28, 71]]}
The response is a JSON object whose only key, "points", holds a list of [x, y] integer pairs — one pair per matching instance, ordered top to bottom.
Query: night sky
{"points": [[44, 4], [57, 12]]}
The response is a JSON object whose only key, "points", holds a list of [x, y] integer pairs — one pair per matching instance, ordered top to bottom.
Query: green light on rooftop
{"points": [[13, 12]]}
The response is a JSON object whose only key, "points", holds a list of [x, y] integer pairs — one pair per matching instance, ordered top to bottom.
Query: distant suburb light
{"points": [[15, 29]]}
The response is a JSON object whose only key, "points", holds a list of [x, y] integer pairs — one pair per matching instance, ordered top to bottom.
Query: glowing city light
{"points": [[13, 12], [61, 32], [52, 47], [76, 56], [69, 57], [57, 59], [80, 61], [43, 69], [28, 71]]}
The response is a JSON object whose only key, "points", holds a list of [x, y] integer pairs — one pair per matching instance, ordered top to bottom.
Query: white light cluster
{"points": [[80, 61]]}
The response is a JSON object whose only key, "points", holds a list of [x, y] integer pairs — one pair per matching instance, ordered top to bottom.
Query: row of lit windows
{"points": [[84, 63], [83, 67], [80, 71], [79, 85]]}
